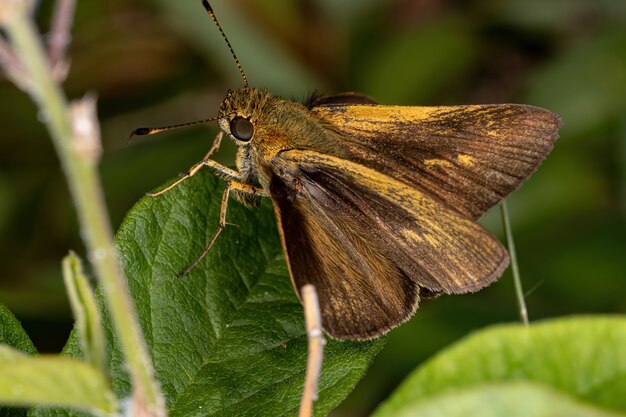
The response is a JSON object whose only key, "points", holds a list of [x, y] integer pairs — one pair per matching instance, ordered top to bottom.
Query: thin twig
{"points": [[60, 37], [517, 281], [313, 320]]}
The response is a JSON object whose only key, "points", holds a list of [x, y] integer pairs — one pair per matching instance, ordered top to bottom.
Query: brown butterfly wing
{"points": [[470, 157], [370, 243]]}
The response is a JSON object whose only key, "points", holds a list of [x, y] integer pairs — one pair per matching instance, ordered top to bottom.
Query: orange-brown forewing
{"points": [[469, 157]]}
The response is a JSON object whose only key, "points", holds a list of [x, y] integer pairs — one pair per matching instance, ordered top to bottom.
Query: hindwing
{"points": [[371, 244]]}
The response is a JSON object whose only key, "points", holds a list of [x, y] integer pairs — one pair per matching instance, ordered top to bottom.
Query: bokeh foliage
{"points": [[160, 62]]}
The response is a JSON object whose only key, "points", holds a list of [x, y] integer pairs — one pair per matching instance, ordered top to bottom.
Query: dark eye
{"points": [[241, 128]]}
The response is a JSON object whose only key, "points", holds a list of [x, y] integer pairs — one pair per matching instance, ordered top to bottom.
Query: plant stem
{"points": [[84, 183], [517, 281]]}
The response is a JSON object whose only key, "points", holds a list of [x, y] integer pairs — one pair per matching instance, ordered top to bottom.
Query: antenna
{"points": [[209, 10], [141, 131]]}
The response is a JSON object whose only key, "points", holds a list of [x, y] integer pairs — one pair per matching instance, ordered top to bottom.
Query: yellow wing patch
{"points": [[465, 160], [438, 163], [410, 234], [432, 240]]}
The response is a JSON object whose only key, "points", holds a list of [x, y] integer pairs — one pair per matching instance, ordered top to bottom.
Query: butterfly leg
{"points": [[217, 142], [214, 166], [230, 185], [313, 321]]}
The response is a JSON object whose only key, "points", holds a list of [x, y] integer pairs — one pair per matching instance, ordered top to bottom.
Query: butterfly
{"points": [[377, 205]]}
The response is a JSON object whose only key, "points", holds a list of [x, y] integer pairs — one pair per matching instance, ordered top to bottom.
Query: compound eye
{"points": [[241, 128]]}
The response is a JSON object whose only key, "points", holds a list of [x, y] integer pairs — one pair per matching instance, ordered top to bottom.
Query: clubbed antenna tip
{"points": [[140, 131], [143, 131]]}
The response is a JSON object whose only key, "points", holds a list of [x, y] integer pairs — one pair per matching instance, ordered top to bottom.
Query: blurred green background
{"points": [[158, 62]]}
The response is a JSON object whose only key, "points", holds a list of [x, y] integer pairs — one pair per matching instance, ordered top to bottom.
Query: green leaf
{"points": [[85, 309], [12, 334], [228, 339], [583, 357], [53, 381], [511, 399]]}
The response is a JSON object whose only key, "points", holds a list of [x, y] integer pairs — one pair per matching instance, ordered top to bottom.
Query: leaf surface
{"points": [[12, 334], [227, 339], [580, 357], [53, 381], [510, 399]]}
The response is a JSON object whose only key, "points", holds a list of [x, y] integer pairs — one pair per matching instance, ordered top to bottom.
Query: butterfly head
{"points": [[240, 112]]}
